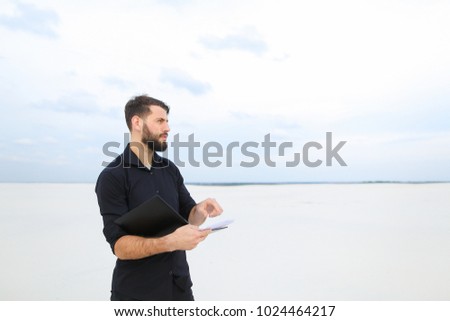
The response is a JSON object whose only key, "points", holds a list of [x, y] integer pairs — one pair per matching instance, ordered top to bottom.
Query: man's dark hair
{"points": [[140, 106]]}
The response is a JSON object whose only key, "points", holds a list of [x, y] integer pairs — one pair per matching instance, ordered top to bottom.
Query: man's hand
{"points": [[203, 210], [186, 237]]}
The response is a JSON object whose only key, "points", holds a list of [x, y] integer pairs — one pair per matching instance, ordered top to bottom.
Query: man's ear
{"points": [[136, 123]]}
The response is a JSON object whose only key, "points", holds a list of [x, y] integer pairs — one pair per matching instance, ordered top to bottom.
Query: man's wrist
{"points": [[192, 216], [165, 243]]}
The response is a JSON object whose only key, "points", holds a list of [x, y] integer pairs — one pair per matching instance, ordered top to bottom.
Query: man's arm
{"points": [[130, 247]]}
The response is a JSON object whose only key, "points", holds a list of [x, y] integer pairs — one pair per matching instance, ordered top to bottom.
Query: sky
{"points": [[373, 74]]}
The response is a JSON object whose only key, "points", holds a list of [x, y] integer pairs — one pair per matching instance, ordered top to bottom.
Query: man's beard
{"points": [[152, 141]]}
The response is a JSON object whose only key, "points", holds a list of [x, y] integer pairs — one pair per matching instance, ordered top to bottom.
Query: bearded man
{"points": [[149, 268]]}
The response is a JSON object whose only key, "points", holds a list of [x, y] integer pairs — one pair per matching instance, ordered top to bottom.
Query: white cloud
{"points": [[29, 18], [247, 39], [182, 80], [118, 82]]}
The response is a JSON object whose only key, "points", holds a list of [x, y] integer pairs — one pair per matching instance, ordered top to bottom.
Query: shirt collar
{"points": [[130, 158]]}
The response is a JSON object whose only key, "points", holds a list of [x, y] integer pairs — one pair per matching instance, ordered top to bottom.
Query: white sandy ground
{"points": [[288, 242]]}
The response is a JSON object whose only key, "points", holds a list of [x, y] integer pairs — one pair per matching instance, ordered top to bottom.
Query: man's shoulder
{"points": [[114, 169]]}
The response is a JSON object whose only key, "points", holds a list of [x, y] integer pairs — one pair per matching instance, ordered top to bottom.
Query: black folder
{"points": [[153, 218]]}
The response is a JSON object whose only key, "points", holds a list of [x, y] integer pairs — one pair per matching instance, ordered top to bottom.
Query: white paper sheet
{"points": [[216, 225]]}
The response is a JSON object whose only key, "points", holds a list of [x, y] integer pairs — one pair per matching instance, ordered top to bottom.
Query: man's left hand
{"points": [[207, 208]]}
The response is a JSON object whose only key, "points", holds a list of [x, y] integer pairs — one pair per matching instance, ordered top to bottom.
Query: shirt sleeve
{"points": [[111, 197], [185, 200]]}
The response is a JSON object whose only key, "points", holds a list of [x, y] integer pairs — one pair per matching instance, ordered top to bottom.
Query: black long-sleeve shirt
{"points": [[123, 185]]}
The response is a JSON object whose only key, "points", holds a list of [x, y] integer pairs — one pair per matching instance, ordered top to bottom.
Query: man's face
{"points": [[156, 129]]}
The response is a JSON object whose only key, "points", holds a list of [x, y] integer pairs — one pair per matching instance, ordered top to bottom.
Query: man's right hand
{"points": [[186, 237]]}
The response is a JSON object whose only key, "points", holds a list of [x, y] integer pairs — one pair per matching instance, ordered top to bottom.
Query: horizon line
{"points": [[257, 183]]}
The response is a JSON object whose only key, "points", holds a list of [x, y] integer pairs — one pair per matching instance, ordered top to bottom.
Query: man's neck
{"points": [[142, 151]]}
